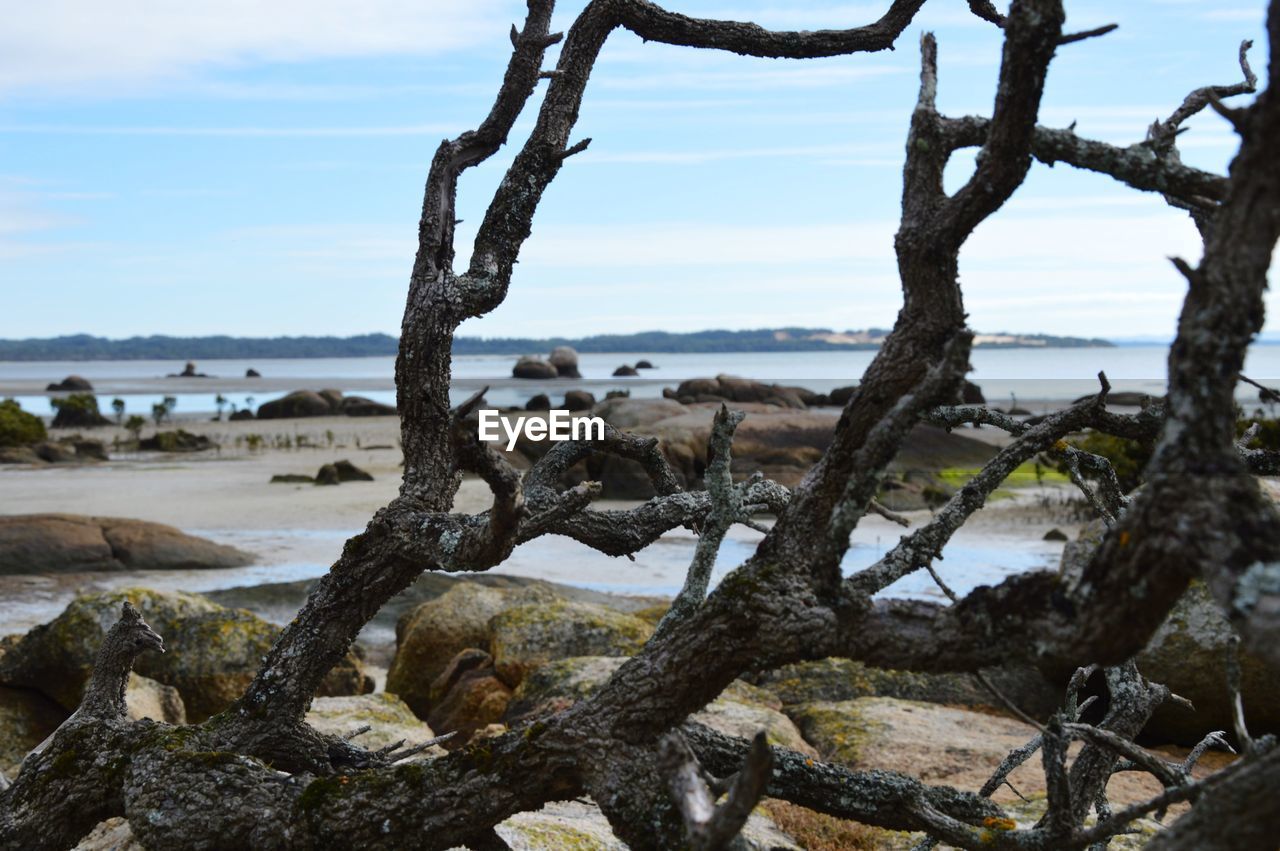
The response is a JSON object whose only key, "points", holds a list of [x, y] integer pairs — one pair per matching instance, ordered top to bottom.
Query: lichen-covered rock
{"points": [[58, 543], [429, 636], [526, 637], [212, 653], [1187, 654], [828, 680], [467, 696], [146, 698], [736, 717], [27, 718], [389, 719], [938, 744], [570, 825], [113, 834]]}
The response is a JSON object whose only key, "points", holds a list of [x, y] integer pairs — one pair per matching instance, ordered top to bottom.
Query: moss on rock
{"points": [[524, 638]]}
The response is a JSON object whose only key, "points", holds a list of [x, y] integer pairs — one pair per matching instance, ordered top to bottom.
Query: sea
{"points": [[1025, 377]]}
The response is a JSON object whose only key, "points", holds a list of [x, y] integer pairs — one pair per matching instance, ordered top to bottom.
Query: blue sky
{"points": [[256, 169]]}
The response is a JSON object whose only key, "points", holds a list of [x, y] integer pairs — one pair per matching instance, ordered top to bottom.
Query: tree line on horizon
{"points": [[84, 347]]}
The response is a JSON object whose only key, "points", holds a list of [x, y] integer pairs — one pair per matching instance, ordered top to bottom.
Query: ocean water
{"points": [[1031, 376]]}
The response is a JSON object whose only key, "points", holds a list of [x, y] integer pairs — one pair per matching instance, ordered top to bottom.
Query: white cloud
{"points": [[61, 44]]}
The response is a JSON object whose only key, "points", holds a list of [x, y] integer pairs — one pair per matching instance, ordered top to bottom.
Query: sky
{"points": [[256, 168]]}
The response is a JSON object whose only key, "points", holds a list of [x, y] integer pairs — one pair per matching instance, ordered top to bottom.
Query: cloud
{"points": [[78, 44]]}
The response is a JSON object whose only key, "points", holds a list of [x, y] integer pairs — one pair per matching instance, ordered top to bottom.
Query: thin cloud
{"points": [[176, 130]]}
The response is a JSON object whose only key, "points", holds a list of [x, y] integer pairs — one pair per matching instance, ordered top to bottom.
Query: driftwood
{"points": [[257, 776]]}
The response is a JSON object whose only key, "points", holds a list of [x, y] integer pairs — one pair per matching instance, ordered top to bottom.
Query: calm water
{"points": [[1030, 375]]}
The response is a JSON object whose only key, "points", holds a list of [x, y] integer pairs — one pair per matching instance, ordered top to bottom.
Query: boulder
{"points": [[565, 360], [644, 364], [531, 366], [625, 371], [252, 373], [71, 384], [970, 394], [841, 395], [334, 397], [578, 400], [540, 402], [299, 403], [359, 406], [79, 410], [625, 413], [242, 414], [179, 440], [90, 450], [56, 452], [19, 455], [348, 472], [327, 475], [293, 479], [1055, 534], [59, 543], [431, 635], [526, 637], [211, 654], [1187, 654], [834, 680], [467, 696], [146, 698], [741, 710], [27, 718], [388, 718], [114, 834]]}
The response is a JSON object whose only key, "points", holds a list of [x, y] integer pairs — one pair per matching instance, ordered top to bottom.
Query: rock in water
{"points": [[565, 360], [531, 366], [625, 371], [252, 373], [72, 384], [59, 543]]}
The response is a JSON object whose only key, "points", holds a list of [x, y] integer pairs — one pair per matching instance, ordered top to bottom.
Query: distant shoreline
{"points": [[83, 347]]}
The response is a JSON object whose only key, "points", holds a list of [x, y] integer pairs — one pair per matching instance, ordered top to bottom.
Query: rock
{"points": [[565, 360], [644, 364], [531, 366], [189, 371], [625, 371], [252, 373], [71, 384], [733, 389], [617, 394], [971, 394], [841, 395], [334, 397], [578, 400], [540, 402], [299, 403], [359, 406], [79, 410], [624, 413], [242, 414], [176, 441], [91, 450], [56, 452], [19, 455], [348, 472], [327, 475], [293, 479], [1055, 534], [59, 543], [431, 635], [525, 637], [211, 654], [1187, 654], [348, 677], [834, 680], [467, 696], [146, 698], [741, 710], [27, 718], [388, 718], [938, 744], [114, 834]]}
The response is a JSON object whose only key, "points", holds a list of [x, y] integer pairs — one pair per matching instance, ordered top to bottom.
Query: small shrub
{"points": [[79, 410], [17, 427]]}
